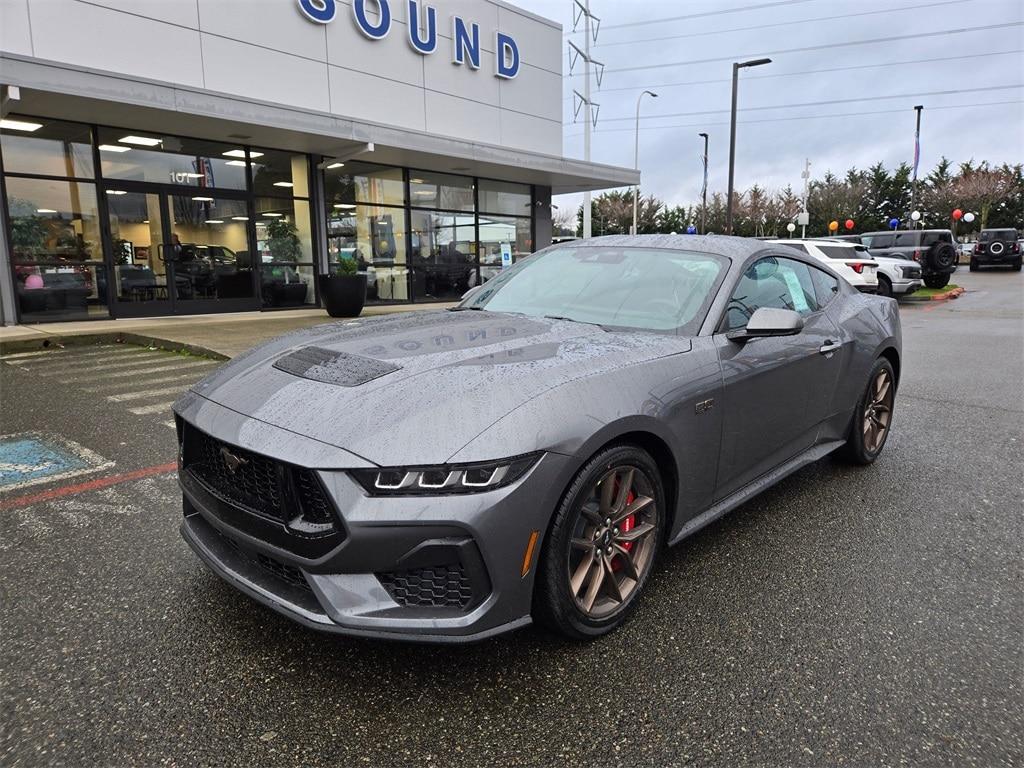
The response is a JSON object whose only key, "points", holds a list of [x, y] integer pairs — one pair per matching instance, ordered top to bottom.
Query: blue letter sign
{"points": [[320, 11], [383, 26], [465, 43], [418, 44], [506, 54]]}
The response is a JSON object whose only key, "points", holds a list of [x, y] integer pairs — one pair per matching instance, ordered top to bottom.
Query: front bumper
{"points": [[906, 287], [394, 562]]}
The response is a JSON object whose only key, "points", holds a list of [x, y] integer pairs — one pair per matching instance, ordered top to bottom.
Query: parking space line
{"points": [[66, 351], [101, 364], [142, 371], [131, 386], [145, 393], [146, 410], [170, 424], [90, 485]]}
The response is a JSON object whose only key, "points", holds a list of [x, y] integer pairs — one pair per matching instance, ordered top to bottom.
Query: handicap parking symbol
{"points": [[30, 458]]}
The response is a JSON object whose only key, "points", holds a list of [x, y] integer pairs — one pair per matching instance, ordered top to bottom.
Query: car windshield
{"points": [[997, 234], [636, 288]]}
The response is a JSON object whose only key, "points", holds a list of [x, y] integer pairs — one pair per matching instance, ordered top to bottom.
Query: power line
{"points": [[717, 12], [705, 33], [823, 46], [817, 71], [915, 95], [806, 117]]}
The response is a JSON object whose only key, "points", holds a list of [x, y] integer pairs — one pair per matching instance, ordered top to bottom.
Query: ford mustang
{"points": [[448, 475]]}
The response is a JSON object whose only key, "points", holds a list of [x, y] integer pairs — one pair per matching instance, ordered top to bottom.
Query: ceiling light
{"points": [[19, 125], [142, 141], [113, 148], [240, 153], [235, 162], [332, 166], [193, 175], [416, 181], [283, 184], [116, 192], [203, 199], [343, 205], [45, 210], [272, 214], [239, 218], [145, 221], [214, 221]]}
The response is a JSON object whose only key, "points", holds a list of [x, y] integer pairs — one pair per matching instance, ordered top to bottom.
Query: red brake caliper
{"points": [[627, 525]]}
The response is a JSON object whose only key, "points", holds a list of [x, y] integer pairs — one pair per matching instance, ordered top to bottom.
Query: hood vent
{"points": [[330, 367]]}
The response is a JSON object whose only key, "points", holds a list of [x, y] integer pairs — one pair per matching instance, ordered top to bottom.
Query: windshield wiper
{"points": [[466, 309], [574, 320]]}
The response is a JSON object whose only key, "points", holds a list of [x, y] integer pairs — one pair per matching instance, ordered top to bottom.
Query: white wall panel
{"points": [[180, 12], [270, 24], [14, 27], [104, 39], [539, 45], [392, 58], [259, 73], [459, 80], [535, 92], [365, 97], [452, 116], [531, 133]]}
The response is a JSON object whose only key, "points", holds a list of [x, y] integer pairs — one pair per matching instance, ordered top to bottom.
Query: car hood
{"points": [[415, 387]]}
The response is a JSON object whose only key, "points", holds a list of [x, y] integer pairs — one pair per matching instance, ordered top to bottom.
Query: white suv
{"points": [[851, 261], [896, 276]]}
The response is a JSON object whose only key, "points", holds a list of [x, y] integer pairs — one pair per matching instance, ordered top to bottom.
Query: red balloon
{"points": [[957, 213], [849, 224]]}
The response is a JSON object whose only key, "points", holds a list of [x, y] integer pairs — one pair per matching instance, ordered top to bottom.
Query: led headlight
{"points": [[447, 478]]}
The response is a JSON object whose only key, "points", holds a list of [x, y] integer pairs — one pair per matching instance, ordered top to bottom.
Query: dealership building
{"points": [[196, 156]]}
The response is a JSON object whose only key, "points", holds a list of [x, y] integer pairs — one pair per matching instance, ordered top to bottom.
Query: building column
{"points": [[542, 219], [8, 298]]}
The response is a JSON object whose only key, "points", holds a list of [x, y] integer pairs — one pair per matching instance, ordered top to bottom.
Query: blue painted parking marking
{"points": [[30, 458]]}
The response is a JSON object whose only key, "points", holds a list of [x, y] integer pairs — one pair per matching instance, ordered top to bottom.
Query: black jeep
{"points": [[996, 247], [933, 249]]}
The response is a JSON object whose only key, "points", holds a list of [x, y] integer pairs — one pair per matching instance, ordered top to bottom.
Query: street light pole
{"points": [[736, 67], [636, 152], [917, 156], [704, 190]]}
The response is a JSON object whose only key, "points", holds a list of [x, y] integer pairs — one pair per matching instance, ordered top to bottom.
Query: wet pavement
{"points": [[847, 616]]}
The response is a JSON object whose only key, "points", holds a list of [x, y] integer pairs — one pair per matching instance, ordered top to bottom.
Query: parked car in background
{"points": [[997, 247], [933, 249], [850, 260], [896, 277]]}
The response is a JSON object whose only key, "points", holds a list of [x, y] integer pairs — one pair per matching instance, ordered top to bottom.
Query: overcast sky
{"points": [[771, 152]]}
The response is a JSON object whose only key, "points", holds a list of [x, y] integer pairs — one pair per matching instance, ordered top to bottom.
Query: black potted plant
{"points": [[343, 289]]}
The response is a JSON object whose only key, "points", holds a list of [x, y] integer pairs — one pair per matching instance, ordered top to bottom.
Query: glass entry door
{"points": [[179, 253]]}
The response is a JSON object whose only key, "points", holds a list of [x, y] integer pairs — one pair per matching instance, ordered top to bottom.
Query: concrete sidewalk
{"points": [[224, 335]]}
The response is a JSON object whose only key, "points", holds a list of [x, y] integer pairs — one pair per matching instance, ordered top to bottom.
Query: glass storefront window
{"points": [[47, 147], [171, 160], [280, 173], [353, 182], [440, 190], [505, 197], [136, 231], [497, 232], [375, 237], [284, 240], [209, 248], [55, 249], [443, 254]]}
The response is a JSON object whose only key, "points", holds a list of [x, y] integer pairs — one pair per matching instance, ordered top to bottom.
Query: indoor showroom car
{"points": [[449, 475]]}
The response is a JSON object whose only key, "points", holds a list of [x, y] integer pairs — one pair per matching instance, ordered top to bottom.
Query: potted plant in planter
{"points": [[282, 285], [343, 289]]}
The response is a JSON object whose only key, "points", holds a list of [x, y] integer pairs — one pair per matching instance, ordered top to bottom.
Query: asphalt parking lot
{"points": [[847, 616]]}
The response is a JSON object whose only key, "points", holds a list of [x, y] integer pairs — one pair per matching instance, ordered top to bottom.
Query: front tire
{"points": [[937, 281], [884, 287], [872, 418], [602, 545]]}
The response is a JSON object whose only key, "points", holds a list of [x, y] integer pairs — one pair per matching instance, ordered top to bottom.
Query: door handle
{"points": [[829, 346]]}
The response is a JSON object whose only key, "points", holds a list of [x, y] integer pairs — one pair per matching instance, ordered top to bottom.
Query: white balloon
{"points": [[916, 216], [968, 217], [791, 227]]}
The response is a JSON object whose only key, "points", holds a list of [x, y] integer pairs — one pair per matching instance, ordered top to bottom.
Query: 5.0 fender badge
{"points": [[704, 405]]}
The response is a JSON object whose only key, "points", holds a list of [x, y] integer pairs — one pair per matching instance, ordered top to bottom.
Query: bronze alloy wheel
{"points": [[878, 410], [613, 541]]}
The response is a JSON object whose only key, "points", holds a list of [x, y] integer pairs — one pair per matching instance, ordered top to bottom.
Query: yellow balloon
{"points": [[833, 226]]}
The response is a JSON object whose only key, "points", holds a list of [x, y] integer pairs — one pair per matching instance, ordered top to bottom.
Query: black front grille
{"points": [[258, 484], [283, 571], [439, 586]]}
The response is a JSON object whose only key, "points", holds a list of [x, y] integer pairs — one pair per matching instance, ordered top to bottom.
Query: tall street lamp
{"points": [[736, 67], [636, 151], [704, 189]]}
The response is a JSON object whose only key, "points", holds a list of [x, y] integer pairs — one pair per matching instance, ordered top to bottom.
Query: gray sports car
{"points": [[448, 475]]}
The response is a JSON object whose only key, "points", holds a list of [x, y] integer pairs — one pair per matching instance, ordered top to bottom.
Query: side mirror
{"points": [[768, 321]]}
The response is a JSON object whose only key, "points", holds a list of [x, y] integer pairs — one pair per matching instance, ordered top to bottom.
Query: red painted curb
{"points": [[89, 485]]}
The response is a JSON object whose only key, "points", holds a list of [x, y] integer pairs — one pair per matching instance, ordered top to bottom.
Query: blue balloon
{"points": [[894, 223], [691, 230]]}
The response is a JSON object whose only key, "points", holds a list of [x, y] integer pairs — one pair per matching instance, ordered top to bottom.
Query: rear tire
{"points": [[942, 256], [974, 265], [1016, 267], [936, 281], [884, 286], [872, 418], [575, 555]]}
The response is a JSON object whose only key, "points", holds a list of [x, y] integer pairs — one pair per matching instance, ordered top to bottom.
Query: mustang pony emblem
{"points": [[233, 462]]}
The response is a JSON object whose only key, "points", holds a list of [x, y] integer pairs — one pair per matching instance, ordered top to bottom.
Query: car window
{"points": [[997, 234], [904, 239], [928, 239], [878, 241], [799, 246], [839, 252], [771, 282], [825, 286]]}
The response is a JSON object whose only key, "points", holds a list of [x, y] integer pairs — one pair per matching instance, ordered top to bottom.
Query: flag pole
{"points": [[917, 157]]}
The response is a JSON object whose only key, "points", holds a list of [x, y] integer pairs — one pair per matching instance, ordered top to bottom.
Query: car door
{"points": [[776, 390]]}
